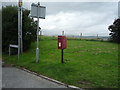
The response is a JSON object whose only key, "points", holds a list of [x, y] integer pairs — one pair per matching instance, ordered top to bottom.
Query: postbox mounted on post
{"points": [[61, 42], [62, 45]]}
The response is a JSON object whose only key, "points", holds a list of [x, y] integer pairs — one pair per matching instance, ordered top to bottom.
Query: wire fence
{"points": [[80, 36]]}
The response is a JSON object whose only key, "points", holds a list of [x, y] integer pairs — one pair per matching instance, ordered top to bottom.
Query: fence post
{"points": [[63, 33], [81, 36]]}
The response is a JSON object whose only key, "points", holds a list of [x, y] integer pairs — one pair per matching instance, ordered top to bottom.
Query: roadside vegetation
{"points": [[10, 28], [88, 64]]}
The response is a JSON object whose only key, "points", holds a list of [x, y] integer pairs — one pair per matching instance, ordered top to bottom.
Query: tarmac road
{"points": [[17, 78]]}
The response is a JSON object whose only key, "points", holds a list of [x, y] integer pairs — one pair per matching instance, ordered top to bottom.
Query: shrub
{"points": [[10, 28]]}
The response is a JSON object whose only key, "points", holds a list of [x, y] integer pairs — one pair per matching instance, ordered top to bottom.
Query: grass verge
{"points": [[88, 64]]}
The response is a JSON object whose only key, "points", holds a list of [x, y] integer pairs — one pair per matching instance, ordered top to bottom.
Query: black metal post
{"points": [[62, 56]]}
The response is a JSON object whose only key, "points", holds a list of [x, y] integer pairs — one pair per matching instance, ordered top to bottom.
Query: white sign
{"points": [[38, 11], [14, 46]]}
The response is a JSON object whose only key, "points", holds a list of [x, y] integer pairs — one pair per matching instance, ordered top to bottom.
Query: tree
{"points": [[10, 28], [115, 31]]}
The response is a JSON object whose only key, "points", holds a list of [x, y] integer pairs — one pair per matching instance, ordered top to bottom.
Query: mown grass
{"points": [[88, 64]]}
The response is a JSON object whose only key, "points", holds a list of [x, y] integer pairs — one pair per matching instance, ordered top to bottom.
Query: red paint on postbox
{"points": [[62, 42]]}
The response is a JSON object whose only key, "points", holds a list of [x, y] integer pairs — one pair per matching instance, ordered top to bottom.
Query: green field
{"points": [[88, 64]]}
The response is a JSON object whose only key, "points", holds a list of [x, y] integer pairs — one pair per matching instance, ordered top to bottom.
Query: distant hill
{"points": [[91, 37]]}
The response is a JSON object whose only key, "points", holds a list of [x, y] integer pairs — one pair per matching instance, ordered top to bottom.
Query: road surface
{"points": [[17, 78]]}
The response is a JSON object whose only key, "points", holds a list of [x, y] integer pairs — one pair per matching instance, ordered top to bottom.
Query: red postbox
{"points": [[62, 42]]}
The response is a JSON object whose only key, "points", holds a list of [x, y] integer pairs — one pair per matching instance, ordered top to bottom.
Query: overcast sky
{"points": [[89, 18]]}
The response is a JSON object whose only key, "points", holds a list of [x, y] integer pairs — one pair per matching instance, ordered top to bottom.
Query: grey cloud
{"points": [[56, 7], [53, 8], [100, 16]]}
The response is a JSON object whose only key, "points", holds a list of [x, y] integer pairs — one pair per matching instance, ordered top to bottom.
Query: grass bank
{"points": [[88, 64]]}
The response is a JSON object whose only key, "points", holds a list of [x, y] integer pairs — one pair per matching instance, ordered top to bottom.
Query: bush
{"points": [[10, 28], [115, 31]]}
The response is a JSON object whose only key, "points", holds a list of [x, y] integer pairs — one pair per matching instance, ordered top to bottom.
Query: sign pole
{"points": [[37, 11], [21, 29], [18, 30], [18, 35], [20, 46], [37, 49]]}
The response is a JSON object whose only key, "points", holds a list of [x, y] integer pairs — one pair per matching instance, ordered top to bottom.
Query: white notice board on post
{"points": [[38, 11]]}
